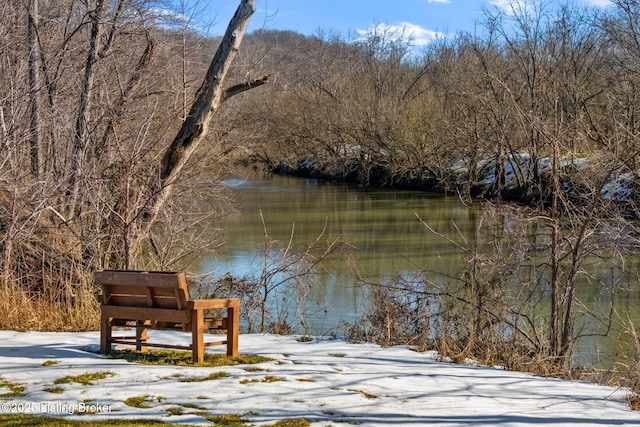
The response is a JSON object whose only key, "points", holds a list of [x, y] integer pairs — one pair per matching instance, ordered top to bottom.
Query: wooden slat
{"points": [[139, 278], [125, 289], [139, 290], [183, 291], [164, 292], [140, 296], [150, 298], [130, 300], [142, 301], [166, 302], [181, 303], [204, 304], [144, 313], [233, 323], [197, 335], [132, 341], [212, 343], [150, 344]]}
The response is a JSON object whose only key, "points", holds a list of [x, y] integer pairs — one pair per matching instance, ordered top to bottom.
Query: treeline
{"points": [[92, 97], [479, 113]]}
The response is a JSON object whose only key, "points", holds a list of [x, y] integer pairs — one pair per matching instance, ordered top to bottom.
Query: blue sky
{"points": [[424, 19]]}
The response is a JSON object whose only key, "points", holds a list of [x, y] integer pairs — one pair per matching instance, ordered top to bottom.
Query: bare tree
{"points": [[35, 86], [195, 126], [93, 191]]}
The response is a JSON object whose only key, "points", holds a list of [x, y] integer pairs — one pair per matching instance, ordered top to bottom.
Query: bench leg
{"points": [[233, 320], [105, 334], [197, 335], [141, 337]]}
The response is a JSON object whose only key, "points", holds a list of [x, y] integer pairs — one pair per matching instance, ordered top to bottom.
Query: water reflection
{"points": [[381, 226], [387, 239]]}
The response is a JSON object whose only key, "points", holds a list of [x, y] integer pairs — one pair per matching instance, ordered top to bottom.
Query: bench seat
{"points": [[160, 300]]}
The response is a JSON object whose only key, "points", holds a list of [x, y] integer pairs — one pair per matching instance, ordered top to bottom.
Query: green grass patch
{"points": [[184, 358], [50, 362], [210, 377], [84, 379], [267, 379], [14, 389], [54, 390], [364, 393], [142, 401], [175, 410], [27, 420], [228, 420], [231, 420], [295, 422]]}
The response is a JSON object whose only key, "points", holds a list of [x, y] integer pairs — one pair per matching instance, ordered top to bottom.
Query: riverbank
{"points": [[520, 178], [324, 381]]}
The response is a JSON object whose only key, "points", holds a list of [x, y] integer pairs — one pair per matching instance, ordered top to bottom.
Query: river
{"points": [[386, 238]]}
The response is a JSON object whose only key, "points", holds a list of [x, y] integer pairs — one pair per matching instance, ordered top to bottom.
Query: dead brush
{"points": [[61, 307], [399, 313], [448, 347], [517, 357], [632, 379]]}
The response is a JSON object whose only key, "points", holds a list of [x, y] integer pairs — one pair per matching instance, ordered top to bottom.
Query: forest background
{"points": [[538, 107]]}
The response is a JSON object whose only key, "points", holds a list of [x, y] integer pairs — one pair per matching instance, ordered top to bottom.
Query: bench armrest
{"points": [[205, 304]]}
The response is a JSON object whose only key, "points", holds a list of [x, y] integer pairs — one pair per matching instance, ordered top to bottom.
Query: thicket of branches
{"points": [[545, 78], [96, 124]]}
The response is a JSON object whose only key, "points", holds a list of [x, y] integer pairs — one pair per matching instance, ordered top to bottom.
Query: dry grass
{"points": [[67, 308], [632, 377]]}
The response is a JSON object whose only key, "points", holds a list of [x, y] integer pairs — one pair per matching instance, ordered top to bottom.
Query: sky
{"points": [[424, 19], [326, 381]]}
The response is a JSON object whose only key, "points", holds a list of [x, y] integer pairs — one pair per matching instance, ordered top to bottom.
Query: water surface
{"points": [[386, 238]]}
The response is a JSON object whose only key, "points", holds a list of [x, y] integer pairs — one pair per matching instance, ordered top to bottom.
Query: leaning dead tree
{"points": [[205, 105]]}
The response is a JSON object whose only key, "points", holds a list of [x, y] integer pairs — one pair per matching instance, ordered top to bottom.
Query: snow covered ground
{"points": [[328, 382]]}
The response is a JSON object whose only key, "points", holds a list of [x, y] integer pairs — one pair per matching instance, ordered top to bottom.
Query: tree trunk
{"points": [[35, 85], [195, 126], [81, 137], [555, 312]]}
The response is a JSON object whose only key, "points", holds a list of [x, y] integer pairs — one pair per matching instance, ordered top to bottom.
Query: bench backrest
{"points": [[163, 290]]}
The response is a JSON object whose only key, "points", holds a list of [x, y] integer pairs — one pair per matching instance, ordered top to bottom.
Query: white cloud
{"points": [[438, 1], [598, 3], [510, 7], [417, 35], [421, 36]]}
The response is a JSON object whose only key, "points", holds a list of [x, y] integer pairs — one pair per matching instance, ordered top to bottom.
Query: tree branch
{"points": [[239, 88], [195, 127]]}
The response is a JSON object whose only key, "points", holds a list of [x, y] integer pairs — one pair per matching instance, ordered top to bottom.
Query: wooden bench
{"points": [[160, 300]]}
